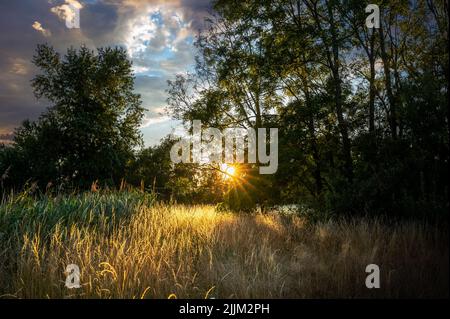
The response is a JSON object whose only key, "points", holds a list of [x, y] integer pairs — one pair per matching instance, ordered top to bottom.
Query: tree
{"points": [[362, 113], [90, 131]]}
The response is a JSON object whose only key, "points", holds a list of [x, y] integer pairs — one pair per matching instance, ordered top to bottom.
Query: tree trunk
{"points": [[372, 84], [392, 117], [342, 123], [314, 148]]}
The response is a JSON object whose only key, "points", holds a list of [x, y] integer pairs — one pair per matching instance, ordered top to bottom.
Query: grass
{"points": [[129, 246]]}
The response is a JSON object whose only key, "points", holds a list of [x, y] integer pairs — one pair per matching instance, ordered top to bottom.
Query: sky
{"points": [[158, 36]]}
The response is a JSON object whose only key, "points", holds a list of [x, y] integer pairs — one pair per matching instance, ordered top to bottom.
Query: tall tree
{"points": [[91, 128]]}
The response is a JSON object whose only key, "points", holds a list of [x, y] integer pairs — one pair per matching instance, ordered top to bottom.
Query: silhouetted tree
{"points": [[91, 128]]}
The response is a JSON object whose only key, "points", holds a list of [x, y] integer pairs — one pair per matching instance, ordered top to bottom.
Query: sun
{"points": [[228, 171]]}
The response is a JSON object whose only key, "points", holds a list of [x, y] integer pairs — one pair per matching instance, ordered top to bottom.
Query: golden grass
{"points": [[194, 252]]}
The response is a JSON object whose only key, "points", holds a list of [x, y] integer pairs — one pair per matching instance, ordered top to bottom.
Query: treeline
{"points": [[362, 113], [91, 129], [89, 138]]}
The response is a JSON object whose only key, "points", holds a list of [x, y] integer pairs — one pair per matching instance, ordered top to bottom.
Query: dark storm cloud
{"points": [[196, 11], [99, 21], [18, 41]]}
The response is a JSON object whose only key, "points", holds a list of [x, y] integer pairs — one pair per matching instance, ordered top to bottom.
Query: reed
{"points": [[129, 246]]}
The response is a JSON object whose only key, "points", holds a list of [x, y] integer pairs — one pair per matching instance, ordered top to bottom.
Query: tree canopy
{"points": [[362, 112], [91, 128]]}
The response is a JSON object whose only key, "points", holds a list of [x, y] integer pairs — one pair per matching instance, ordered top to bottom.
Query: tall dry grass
{"points": [[128, 247]]}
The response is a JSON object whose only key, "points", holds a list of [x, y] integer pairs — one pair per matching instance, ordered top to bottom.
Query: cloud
{"points": [[66, 11], [98, 22], [37, 26], [157, 34], [159, 42], [19, 66], [153, 94], [154, 120], [156, 131]]}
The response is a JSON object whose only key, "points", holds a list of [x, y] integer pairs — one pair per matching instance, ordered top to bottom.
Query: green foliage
{"points": [[362, 114], [91, 128], [152, 166], [184, 183], [21, 212]]}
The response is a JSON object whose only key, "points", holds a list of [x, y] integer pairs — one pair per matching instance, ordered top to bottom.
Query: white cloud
{"points": [[65, 11], [38, 27], [140, 31], [155, 34], [158, 37], [140, 69], [154, 120]]}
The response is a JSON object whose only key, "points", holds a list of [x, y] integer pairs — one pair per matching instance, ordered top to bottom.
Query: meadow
{"points": [[128, 245]]}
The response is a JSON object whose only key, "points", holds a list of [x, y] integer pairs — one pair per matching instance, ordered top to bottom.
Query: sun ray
{"points": [[228, 171]]}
